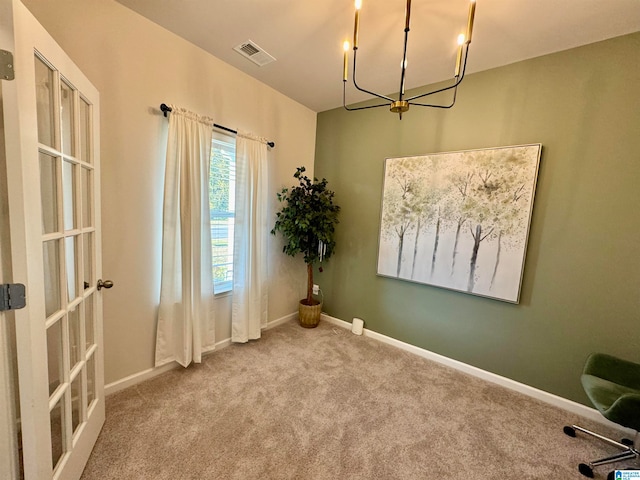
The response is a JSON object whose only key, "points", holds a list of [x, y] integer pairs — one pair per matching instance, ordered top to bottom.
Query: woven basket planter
{"points": [[309, 315]]}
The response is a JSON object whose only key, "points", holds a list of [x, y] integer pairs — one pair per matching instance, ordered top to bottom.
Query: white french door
{"points": [[51, 126]]}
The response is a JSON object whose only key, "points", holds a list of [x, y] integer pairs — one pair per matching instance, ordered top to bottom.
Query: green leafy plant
{"points": [[307, 222]]}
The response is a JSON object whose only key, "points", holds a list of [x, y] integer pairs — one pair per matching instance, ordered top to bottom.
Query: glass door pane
{"points": [[45, 102], [67, 118], [85, 130], [49, 193], [68, 195], [86, 197], [51, 257], [87, 260], [71, 268], [89, 322], [75, 339], [54, 356], [91, 380], [76, 402], [57, 418]]}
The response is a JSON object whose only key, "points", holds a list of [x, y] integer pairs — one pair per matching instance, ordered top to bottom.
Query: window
{"points": [[222, 178]]}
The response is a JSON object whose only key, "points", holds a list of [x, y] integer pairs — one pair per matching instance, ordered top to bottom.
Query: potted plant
{"points": [[307, 222]]}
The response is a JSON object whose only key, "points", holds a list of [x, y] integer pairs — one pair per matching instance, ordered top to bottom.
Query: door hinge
{"points": [[6, 65], [12, 296]]}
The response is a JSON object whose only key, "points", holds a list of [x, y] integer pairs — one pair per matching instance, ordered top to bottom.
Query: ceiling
{"points": [[306, 37]]}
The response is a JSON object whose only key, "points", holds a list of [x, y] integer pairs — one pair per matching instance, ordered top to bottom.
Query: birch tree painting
{"points": [[459, 220]]}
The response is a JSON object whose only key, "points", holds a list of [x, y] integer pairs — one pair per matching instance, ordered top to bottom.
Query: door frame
{"points": [[10, 149], [9, 445], [9, 449]]}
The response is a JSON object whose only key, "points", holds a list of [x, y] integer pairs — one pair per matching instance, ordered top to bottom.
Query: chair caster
{"points": [[569, 431], [585, 470]]}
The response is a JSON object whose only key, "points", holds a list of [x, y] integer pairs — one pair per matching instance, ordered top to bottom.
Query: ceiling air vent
{"points": [[253, 52]]}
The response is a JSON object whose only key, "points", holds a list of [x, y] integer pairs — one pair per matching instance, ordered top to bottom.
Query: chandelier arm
{"points": [[355, 84], [455, 85], [453, 102], [431, 106], [352, 109]]}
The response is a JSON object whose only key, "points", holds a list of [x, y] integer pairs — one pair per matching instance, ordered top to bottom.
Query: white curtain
{"points": [[249, 304], [185, 317]]}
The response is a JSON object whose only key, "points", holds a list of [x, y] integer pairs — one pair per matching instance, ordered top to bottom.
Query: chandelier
{"points": [[402, 104]]}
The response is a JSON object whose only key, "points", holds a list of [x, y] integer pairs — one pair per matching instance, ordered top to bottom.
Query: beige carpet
{"points": [[327, 404]]}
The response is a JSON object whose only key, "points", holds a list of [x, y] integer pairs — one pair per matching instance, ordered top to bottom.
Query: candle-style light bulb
{"points": [[472, 13], [407, 14], [356, 26], [461, 39], [345, 46]]}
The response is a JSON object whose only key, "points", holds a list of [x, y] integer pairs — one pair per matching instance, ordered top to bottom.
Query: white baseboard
{"points": [[281, 320], [139, 377], [563, 403]]}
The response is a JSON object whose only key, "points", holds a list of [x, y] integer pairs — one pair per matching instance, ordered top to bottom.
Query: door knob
{"points": [[105, 284]]}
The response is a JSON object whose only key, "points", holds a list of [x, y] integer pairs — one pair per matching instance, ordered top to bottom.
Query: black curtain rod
{"points": [[166, 109]]}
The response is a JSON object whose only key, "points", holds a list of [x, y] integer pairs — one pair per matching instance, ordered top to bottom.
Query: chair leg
{"points": [[628, 451], [615, 458]]}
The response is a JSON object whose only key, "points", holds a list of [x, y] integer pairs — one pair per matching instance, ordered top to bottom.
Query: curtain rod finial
{"points": [[165, 109]]}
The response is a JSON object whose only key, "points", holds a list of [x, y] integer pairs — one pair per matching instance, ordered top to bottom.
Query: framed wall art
{"points": [[459, 220]]}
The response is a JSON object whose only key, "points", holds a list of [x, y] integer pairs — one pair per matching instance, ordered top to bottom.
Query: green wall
{"points": [[581, 285]]}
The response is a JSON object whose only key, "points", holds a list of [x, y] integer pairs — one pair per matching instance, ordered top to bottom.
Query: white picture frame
{"points": [[459, 220]]}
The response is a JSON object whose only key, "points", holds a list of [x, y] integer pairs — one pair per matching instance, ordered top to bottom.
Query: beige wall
{"points": [[136, 65]]}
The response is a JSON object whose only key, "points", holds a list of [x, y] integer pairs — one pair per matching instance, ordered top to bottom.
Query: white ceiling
{"points": [[306, 37]]}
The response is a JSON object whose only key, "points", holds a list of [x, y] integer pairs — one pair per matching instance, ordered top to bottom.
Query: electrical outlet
{"points": [[316, 289]]}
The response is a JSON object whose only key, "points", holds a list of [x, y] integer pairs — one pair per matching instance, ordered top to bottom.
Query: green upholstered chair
{"points": [[613, 386]]}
